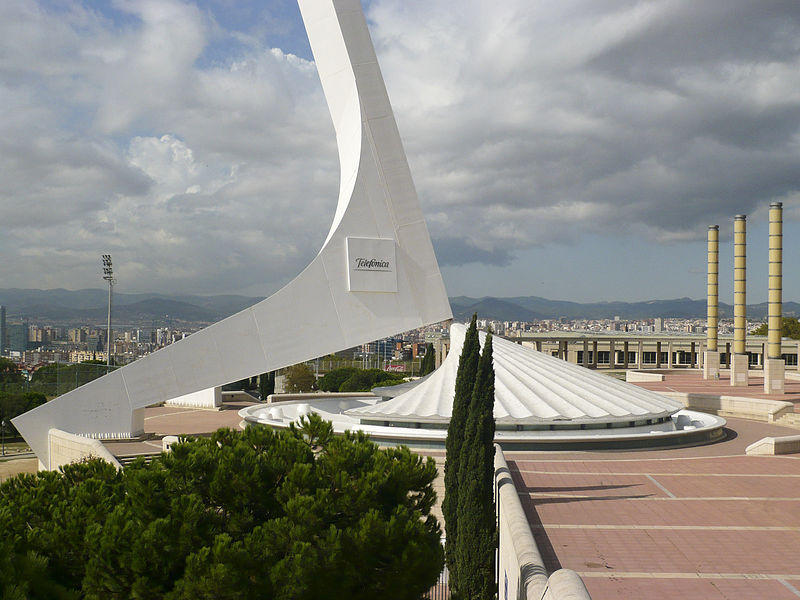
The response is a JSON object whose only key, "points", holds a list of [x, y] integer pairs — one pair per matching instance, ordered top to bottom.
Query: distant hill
{"points": [[62, 306], [90, 306], [527, 308]]}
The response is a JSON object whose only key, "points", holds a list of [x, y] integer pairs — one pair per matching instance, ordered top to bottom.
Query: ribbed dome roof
{"points": [[530, 388]]}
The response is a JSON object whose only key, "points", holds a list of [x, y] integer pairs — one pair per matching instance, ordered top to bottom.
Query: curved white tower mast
{"points": [[376, 274]]}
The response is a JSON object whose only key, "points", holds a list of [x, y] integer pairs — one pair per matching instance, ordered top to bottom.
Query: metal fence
{"points": [[440, 590]]}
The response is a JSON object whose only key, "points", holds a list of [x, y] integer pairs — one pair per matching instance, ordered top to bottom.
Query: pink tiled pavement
{"points": [[690, 523]]}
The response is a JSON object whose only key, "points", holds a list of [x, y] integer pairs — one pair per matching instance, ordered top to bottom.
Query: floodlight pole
{"points": [[108, 275]]}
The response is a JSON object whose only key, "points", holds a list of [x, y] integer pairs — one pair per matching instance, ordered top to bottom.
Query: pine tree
{"points": [[465, 383], [475, 514]]}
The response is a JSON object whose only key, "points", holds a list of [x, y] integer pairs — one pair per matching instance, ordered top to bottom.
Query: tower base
{"points": [[740, 363], [711, 364], [774, 376]]}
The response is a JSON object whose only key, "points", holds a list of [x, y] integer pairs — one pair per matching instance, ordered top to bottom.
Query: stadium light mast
{"points": [[108, 275]]}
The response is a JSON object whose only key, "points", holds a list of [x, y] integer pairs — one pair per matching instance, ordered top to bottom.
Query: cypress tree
{"points": [[428, 361], [465, 383], [266, 385], [475, 514]]}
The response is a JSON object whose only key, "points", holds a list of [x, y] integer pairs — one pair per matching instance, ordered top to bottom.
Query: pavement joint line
{"points": [[181, 412], [632, 473], [661, 487], [628, 499], [666, 527], [648, 575], [790, 587]]}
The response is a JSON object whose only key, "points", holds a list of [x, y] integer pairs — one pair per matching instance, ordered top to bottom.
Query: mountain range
{"points": [[60, 306], [530, 308]]}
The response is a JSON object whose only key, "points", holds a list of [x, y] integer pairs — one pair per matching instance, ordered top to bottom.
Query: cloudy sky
{"points": [[574, 150]]}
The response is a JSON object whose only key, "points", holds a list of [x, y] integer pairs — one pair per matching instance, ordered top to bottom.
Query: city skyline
{"points": [[579, 156]]}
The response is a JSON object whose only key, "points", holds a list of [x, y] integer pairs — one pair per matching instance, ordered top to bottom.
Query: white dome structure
{"points": [[533, 391], [541, 403]]}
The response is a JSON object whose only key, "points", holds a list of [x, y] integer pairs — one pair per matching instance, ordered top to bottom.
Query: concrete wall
{"points": [[640, 376], [208, 398], [756, 409], [771, 446], [66, 448], [521, 571]]}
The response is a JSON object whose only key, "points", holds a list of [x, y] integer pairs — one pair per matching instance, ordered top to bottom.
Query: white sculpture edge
{"points": [[315, 314]]}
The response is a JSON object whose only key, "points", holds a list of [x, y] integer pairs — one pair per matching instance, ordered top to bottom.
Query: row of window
{"points": [[680, 357]]}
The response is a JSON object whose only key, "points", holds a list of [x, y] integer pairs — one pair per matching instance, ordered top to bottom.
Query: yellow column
{"points": [[775, 279], [713, 286], [711, 355], [739, 363], [773, 365]]}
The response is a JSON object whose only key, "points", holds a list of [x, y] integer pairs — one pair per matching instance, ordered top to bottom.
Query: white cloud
{"points": [[204, 157]]}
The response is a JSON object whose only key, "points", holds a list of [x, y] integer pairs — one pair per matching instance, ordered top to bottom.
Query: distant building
{"points": [[658, 325], [3, 333], [17, 336], [93, 343]]}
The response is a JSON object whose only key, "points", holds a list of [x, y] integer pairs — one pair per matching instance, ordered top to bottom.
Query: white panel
{"points": [[356, 35], [372, 91], [347, 108], [375, 192], [415, 243], [371, 265], [299, 322], [240, 348], [198, 359], [150, 379], [98, 408]]}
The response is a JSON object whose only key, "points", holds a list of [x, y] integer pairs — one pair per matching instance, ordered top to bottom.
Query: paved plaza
{"points": [[692, 523]]}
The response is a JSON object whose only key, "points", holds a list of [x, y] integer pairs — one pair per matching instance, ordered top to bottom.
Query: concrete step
{"points": [[790, 420], [126, 459]]}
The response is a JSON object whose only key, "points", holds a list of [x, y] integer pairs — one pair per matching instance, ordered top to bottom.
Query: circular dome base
{"points": [[683, 428]]}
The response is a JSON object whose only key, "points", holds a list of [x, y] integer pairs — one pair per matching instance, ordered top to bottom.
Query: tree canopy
{"points": [[790, 328], [9, 372], [300, 378], [353, 379], [13, 404], [255, 514]]}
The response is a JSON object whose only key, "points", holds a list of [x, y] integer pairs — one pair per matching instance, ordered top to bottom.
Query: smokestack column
{"points": [[711, 355], [739, 360], [774, 366]]}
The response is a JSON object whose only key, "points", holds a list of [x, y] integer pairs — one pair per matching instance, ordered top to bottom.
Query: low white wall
{"points": [[641, 376], [317, 396], [210, 398], [757, 409], [770, 446], [66, 448], [521, 571]]}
